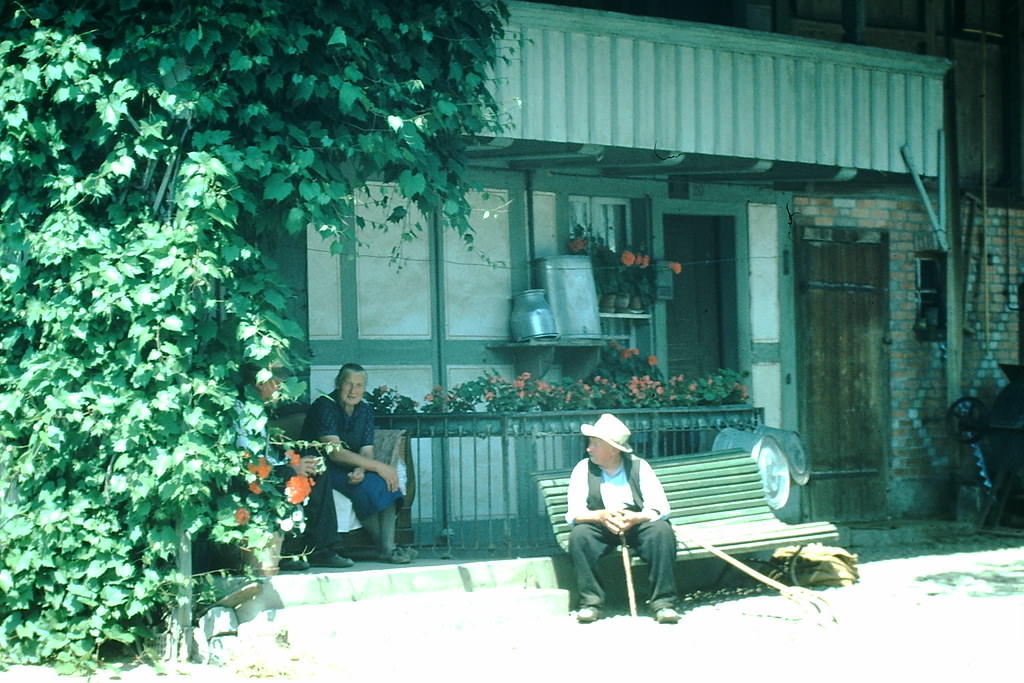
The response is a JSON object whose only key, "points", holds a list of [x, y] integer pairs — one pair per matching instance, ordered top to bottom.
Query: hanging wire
{"points": [[500, 265]]}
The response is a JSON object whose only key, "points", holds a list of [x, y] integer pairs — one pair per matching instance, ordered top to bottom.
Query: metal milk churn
{"points": [[569, 282], [531, 316]]}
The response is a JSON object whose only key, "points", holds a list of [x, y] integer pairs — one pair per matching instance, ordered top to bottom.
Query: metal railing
{"points": [[474, 473]]}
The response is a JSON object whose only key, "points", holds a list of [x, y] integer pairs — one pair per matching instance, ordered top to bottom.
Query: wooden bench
{"points": [[716, 497]]}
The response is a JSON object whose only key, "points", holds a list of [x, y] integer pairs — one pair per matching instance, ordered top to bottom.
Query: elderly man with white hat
{"points": [[614, 493]]}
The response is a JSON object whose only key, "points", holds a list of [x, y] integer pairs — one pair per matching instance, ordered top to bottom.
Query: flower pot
{"points": [[607, 303], [621, 303], [636, 303], [264, 561]]}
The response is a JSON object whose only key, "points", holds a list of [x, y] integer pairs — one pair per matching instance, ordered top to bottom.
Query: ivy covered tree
{"points": [[147, 150]]}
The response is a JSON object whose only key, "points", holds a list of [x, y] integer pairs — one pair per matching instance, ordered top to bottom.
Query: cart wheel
{"points": [[967, 419]]}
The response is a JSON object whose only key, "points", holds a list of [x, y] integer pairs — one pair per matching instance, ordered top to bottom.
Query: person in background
{"points": [[344, 422], [283, 467], [614, 495]]}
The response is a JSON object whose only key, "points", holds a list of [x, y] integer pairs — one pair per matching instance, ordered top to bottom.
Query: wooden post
{"points": [[178, 646]]}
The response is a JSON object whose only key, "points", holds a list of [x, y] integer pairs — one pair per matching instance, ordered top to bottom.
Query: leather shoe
{"points": [[395, 556], [326, 558], [292, 564], [588, 615], [666, 615]]}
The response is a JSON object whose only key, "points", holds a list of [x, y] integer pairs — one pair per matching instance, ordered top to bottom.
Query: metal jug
{"points": [[531, 316]]}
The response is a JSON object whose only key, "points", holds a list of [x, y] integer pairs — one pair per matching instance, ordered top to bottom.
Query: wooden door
{"points": [[700, 318], [843, 363]]}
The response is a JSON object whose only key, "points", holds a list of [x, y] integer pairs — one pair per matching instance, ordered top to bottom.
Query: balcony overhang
{"points": [[619, 95]]}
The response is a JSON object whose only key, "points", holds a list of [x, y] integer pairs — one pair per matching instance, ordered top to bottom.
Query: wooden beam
{"points": [[854, 21]]}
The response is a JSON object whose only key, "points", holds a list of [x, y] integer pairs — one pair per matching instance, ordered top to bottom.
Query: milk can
{"points": [[531, 316]]}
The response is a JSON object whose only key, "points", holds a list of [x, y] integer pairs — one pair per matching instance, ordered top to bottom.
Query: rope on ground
{"points": [[804, 598]]}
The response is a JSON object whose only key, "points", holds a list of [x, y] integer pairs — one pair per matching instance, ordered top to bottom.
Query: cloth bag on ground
{"points": [[814, 565]]}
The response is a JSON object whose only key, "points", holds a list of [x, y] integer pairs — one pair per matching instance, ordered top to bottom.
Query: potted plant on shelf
{"points": [[625, 280]]}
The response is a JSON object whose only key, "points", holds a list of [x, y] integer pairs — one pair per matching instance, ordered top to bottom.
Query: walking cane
{"points": [[628, 568]]}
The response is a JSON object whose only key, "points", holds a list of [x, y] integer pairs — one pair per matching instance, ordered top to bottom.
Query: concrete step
{"points": [[375, 581], [409, 614]]}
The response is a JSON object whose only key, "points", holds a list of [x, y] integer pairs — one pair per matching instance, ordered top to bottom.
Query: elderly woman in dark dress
{"points": [[344, 422]]}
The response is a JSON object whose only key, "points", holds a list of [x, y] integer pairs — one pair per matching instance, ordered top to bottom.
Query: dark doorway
{"points": [[701, 316], [843, 361]]}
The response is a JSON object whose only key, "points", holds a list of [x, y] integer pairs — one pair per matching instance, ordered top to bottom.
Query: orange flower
{"points": [[628, 258], [644, 260], [675, 267], [652, 360], [293, 457], [262, 470], [255, 488], [297, 489], [242, 516]]}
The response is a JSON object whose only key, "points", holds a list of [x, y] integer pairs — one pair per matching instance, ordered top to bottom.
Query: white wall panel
{"points": [[545, 227], [323, 282], [477, 292], [394, 295], [765, 320], [766, 391]]}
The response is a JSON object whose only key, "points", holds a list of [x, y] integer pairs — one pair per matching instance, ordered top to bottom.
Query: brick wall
{"points": [[920, 444]]}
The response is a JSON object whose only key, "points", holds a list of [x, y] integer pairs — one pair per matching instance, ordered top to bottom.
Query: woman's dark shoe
{"points": [[327, 558], [292, 564]]}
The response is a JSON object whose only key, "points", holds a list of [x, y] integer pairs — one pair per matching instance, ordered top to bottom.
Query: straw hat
{"points": [[609, 429]]}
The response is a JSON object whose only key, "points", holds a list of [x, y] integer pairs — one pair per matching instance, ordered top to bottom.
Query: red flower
{"points": [[628, 258], [675, 267], [652, 360], [293, 457], [262, 470], [255, 488], [297, 489], [242, 516]]}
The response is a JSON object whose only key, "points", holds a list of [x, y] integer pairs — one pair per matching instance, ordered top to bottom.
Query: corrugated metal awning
{"points": [[601, 83]]}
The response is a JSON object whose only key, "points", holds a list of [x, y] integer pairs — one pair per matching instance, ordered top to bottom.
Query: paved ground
{"points": [[938, 611]]}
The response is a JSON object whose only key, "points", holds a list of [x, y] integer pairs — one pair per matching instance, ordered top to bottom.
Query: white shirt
{"points": [[615, 491]]}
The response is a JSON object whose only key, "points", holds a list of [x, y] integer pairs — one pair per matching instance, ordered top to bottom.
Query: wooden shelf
{"points": [[626, 316], [549, 343]]}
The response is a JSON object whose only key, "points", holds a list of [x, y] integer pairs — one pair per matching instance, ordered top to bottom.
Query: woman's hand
{"points": [[307, 466], [389, 474], [356, 476]]}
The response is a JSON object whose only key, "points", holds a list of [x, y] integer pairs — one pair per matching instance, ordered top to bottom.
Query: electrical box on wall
{"points": [[930, 322]]}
